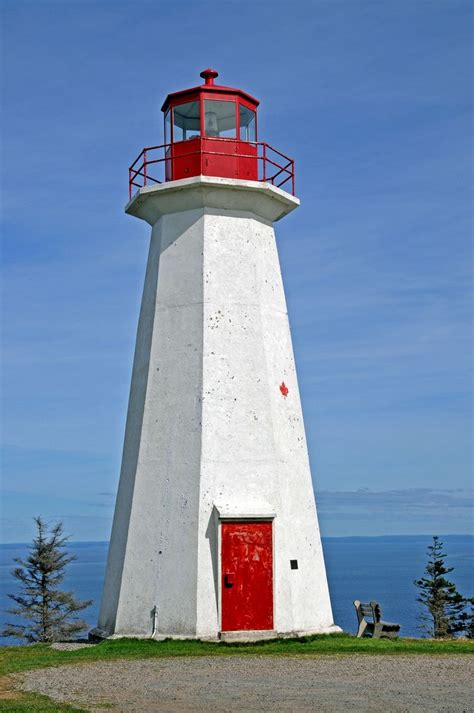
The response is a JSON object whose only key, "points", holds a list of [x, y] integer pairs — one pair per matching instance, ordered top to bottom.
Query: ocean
{"points": [[365, 568]]}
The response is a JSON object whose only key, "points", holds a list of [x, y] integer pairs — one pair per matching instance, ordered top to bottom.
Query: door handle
{"points": [[229, 580]]}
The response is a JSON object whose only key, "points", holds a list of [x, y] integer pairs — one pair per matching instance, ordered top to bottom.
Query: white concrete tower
{"points": [[215, 532]]}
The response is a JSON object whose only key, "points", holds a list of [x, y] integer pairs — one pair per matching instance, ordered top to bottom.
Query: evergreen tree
{"points": [[446, 606], [49, 613], [468, 619]]}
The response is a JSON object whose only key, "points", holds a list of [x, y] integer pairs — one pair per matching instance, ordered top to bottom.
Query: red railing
{"points": [[272, 166]]}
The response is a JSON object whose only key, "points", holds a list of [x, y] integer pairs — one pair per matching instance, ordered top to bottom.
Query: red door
{"points": [[219, 158], [247, 576]]}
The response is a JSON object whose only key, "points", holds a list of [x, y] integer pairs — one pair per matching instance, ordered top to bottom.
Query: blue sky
{"points": [[373, 100]]}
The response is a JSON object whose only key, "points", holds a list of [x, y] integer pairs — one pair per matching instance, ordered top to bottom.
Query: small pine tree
{"points": [[48, 613], [446, 616], [467, 619]]}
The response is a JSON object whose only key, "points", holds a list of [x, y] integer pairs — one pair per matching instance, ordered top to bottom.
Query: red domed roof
{"points": [[208, 75]]}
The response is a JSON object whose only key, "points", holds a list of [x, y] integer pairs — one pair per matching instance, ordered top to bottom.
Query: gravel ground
{"points": [[69, 646], [263, 684]]}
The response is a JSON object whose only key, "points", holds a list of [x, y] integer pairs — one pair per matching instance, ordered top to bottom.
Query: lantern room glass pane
{"points": [[220, 119], [186, 124], [248, 124], [168, 127]]}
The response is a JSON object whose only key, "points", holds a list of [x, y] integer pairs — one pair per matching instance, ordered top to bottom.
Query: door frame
{"points": [[244, 518]]}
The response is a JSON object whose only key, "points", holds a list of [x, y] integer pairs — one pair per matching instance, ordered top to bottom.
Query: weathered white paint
{"points": [[209, 435]]}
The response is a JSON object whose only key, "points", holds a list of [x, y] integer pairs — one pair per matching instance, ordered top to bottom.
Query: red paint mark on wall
{"points": [[284, 389]]}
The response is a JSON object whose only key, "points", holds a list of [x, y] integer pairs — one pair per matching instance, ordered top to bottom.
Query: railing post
{"points": [[264, 162], [144, 167], [293, 177], [129, 184]]}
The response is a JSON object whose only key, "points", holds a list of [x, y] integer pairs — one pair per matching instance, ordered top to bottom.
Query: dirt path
{"points": [[264, 683], [7, 693]]}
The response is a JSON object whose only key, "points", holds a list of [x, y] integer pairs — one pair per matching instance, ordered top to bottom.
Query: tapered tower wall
{"points": [[210, 435], [153, 545]]}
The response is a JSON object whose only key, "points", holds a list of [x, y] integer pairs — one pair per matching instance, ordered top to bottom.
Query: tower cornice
{"points": [[263, 199]]}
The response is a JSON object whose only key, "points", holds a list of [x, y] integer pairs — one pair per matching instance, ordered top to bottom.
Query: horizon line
{"points": [[323, 537]]}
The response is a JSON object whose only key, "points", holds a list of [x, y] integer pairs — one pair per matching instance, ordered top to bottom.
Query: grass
{"points": [[14, 659], [34, 703]]}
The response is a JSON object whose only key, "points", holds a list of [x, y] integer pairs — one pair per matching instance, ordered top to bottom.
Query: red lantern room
{"points": [[211, 130]]}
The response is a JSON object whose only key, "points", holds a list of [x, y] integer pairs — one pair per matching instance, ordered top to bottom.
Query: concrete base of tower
{"points": [[224, 636], [229, 636]]}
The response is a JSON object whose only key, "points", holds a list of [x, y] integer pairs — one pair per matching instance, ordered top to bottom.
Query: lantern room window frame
{"points": [[200, 96]]}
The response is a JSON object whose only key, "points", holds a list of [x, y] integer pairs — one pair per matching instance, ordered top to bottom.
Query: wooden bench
{"points": [[370, 621]]}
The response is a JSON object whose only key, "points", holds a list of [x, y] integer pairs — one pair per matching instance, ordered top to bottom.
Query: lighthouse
{"points": [[215, 533]]}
